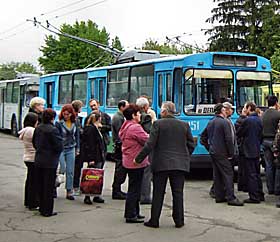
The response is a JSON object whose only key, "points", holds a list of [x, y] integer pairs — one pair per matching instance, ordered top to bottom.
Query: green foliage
{"points": [[245, 25], [166, 48], [63, 53], [275, 60], [10, 70]]}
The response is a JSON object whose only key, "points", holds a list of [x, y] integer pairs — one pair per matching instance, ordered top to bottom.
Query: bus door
{"points": [[49, 87], [164, 88], [97, 90], [2, 96]]}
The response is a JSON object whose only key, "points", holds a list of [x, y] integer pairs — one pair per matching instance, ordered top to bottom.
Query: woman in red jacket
{"points": [[133, 138]]}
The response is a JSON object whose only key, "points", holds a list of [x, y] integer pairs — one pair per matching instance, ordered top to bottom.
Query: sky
{"points": [[133, 21]]}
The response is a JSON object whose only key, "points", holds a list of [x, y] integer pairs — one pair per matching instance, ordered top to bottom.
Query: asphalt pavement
{"points": [[204, 219]]}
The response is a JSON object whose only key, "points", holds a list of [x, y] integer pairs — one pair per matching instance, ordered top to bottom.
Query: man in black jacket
{"points": [[271, 118], [251, 132], [171, 143], [221, 149], [120, 171]]}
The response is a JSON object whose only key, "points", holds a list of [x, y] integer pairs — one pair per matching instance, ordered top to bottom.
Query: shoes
{"points": [[76, 192], [270, 192], [119, 196], [70, 197], [87, 200], [98, 200], [221, 200], [249, 200], [145, 202], [235, 202], [277, 204], [33, 208], [49, 214], [140, 216], [134, 220], [151, 225], [179, 225]]}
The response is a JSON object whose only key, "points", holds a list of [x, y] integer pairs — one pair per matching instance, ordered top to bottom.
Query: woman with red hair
{"points": [[69, 131]]}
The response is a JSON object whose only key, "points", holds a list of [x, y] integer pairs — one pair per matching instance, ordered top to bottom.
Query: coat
{"points": [[251, 131], [133, 138], [171, 143], [48, 144], [92, 148]]}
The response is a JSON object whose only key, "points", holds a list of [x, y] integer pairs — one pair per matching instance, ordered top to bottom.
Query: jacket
{"points": [[251, 131], [26, 135], [71, 137], [220, 137], [133, 138], [171, 143], [48, 144], [92, 148]]}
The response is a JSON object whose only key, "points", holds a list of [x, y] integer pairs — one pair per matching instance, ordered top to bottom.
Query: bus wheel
{"points": [[14, 129]]}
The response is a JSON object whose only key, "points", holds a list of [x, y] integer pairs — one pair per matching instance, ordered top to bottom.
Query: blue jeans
{"points": [[67, 165], [271, 171]]}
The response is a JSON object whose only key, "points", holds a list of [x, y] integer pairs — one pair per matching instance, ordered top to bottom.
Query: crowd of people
{"points": [[250, 142], [147, 151]]}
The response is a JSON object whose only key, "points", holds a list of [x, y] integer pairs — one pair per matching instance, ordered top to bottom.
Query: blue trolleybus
{"points": [[195, 83]]}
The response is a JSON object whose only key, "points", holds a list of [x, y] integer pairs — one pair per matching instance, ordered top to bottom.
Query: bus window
{"points": [[141, 82], [160, 85], [252, 86], [80, 87], [169, 87], [117, 88], [178, 88], [205, 88], [65, 89], [9, 92], [15, 92], [101, 92]]}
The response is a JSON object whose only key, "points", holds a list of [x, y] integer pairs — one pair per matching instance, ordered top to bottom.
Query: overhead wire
{"points": [[48, 13]]}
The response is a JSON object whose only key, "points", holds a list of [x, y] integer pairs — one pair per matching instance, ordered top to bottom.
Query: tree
{"points": [[245, 25], [166, 48], [63, 53], [275, 60], [9, 71]]}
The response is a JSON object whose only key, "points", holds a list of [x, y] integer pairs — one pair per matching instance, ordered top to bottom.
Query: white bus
{"points": [[15, 96]]}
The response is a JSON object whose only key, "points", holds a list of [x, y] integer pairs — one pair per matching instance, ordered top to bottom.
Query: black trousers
{"points": [[77, 171], [242, 174], [119, 176], [223, 178], [177, 180], [46, 181], [255, 187], [31, 196], [132, 207]]}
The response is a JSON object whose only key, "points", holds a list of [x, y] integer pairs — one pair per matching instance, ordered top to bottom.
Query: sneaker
{"points": [[76, 192], [235, 202]]}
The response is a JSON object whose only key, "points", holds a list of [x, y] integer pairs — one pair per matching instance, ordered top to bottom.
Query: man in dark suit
{"points": [[251, 133], [171, 143], [221, 149]]}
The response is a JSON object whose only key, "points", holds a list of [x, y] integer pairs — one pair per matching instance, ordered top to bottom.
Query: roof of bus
{"points": [[156, 60], [34, 80]]}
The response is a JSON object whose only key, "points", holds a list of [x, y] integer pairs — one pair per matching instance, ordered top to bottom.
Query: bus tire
{"points": [[14, 128]]}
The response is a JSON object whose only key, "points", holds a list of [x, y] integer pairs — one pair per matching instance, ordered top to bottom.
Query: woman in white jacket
{"points": [[31, 200]]}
